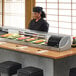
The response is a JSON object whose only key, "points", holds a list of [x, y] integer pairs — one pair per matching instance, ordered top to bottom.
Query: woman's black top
{"points": [[40, 25]]}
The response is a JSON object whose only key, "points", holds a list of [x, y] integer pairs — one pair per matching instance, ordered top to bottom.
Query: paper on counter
{"points": [[2, 43], [22, 47], [42, 51]]}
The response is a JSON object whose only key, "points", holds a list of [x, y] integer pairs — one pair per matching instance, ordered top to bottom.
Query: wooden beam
{"points": [[29, 4], [2, 12]]}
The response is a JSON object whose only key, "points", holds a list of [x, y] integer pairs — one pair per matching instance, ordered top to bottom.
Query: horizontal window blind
{"points": [[61, 15]]}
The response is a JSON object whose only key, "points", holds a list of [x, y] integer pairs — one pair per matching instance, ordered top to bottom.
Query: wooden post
{"points": [[29, 4], [2, 12]]}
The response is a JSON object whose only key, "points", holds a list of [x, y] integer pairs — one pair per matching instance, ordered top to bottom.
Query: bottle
{"points": [[74, 40]]}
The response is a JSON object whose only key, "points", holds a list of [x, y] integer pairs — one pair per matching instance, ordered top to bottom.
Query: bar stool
{"points": [[9, 68], [30, 71], [72, 72]]}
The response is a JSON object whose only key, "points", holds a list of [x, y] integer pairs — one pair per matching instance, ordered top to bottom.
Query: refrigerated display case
{"points": [[49, 41]]}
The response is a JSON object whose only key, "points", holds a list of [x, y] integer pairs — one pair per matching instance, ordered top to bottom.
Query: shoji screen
{"points": [[0, 13], [14, 13], [61, 15], [74, 17]]}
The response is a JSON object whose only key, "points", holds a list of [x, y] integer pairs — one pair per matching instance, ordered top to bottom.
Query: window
{"points": [[0, 13], [14, 13], [61, 15]]}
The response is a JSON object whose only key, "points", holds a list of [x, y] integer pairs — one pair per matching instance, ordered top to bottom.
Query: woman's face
{"points": [[36, 15]]}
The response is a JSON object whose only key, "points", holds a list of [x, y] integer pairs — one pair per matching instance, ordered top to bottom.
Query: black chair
{"points": [[9, 67], [30, 71], [72, 72]]}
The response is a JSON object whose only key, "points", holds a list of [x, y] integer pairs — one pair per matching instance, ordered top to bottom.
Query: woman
{"points": [[38, 23]]}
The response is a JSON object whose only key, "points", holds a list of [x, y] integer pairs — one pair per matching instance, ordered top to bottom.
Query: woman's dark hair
{"points": [[39, 9], [43, 14]]}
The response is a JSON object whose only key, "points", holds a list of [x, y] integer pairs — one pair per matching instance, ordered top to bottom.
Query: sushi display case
{"points": [[2, 32], [37, 39]]}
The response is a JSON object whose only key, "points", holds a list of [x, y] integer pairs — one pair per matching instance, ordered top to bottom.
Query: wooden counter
{"points": [[38, 51], [52, 62]]}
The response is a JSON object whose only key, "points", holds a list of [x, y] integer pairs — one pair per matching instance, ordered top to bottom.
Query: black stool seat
{"points": [[9, 67], [30, 71], [72, 72]]}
